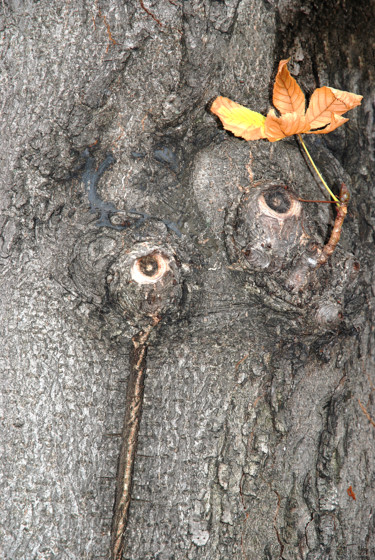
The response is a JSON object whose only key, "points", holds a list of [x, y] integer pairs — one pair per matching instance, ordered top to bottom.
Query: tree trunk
{"points": [[186, 259]]}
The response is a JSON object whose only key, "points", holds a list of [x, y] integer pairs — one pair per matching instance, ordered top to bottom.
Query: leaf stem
{"points": [[317, 171]]}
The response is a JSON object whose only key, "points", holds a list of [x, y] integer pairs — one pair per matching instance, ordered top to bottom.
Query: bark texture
{"points": [[257, 432]]}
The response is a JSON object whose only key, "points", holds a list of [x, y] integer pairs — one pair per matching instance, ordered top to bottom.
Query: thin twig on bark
{"points": [[150, 13], [342, 210], [364, 410], [132, 420]]}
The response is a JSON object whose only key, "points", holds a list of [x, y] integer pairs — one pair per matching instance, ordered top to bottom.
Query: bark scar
{"points": [[106, 209]]}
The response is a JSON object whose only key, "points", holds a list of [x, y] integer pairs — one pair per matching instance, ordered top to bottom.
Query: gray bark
{"points": [[258, 413]]}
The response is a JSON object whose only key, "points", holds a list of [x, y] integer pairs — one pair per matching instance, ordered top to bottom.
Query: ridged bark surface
{"points": [[257, 434]]}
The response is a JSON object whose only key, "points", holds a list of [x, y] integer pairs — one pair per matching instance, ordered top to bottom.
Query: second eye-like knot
{"points": [[277, 202], [265, 230], [149, 269], [146, 282]]}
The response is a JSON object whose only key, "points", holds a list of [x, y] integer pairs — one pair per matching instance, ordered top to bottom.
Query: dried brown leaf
{"points": [[287, 95], [326, 101], [322, 116], [336, 121], [279, 127]]}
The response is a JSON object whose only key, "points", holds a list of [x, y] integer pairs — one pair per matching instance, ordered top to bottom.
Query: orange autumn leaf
{"points": [[287, 95], [326, 102], [322, 116], [238, 119], [336, 121], [288, 124]]}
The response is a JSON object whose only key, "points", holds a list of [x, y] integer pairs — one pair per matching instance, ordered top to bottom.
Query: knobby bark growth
{"points": [[126, 210]]}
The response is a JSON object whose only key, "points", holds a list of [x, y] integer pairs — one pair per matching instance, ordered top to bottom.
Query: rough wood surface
{"points": [[257, 433]]}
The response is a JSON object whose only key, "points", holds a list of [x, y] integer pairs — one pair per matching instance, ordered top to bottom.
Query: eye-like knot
{"points": [[279, 203], [265, 230], [149, 269], [146, 282]]}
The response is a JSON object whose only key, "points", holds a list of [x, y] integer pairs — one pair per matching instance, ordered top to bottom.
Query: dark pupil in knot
{"points": [[278, 201], [148, 265]]}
